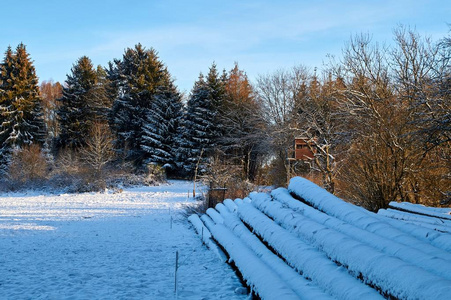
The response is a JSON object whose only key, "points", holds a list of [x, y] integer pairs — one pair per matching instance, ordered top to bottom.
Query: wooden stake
{"points": [[176, 269]]}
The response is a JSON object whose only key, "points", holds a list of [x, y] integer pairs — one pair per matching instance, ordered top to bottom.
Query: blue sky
{"points": [[261, 36]]}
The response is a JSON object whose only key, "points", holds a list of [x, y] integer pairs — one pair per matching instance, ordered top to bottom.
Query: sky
{"points": [[261, 36]]}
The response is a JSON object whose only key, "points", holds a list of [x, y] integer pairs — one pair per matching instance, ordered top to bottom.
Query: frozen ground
{"points": [[106, 246]]}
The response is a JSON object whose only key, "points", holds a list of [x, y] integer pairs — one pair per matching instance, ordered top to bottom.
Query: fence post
{"points": [[223, 192], [202, 237], [176, 269]]}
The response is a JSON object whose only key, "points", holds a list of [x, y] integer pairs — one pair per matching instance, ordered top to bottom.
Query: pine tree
{"points": [[136, 79], [6, 87], [216, 87], [217, 94], [6, 95], [103, 99], [77, 105], [21, 113], [162, 125], [202, 128], [199, 130]]}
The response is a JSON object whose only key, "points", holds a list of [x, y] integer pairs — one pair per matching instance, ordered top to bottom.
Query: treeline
{"points": [[378, 121]]}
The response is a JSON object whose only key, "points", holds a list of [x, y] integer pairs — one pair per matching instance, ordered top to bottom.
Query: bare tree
{"points": [[421, 71], [388, 90], [50, 91], [279, 94], [320, 123], [99, 148], [28, 164]]}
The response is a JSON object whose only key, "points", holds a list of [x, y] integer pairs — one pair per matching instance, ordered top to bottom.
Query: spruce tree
{"points": [[136, 79], [216, 87], [6, 92], [216, 93], [102, 100], [77, 105], [21, 112], [162, 125], [202, 128], [199, 130]]}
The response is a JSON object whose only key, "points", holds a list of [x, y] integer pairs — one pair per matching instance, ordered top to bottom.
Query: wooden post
{"points": [[289, 171], [223, 192], [202, 238], [176, 269]]}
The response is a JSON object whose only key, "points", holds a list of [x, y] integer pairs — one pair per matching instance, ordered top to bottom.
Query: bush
{"points": [[28, 165], [155, 174]]}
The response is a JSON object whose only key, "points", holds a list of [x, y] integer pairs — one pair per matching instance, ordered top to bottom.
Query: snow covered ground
{"points": [[107, 246]]}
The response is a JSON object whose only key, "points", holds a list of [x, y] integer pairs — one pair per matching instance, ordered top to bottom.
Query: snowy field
{"points": [[107, 246]]}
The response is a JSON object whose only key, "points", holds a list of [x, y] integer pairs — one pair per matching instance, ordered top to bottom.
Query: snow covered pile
{"points": [[435, 218], [305, 243]]}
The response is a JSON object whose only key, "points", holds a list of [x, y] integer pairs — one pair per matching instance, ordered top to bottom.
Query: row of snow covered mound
{"points": [[438, 219], [305, 243]]}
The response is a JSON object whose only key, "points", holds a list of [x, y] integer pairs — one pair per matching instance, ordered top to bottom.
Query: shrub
{"points": [[28, 165], [155, 174]]}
